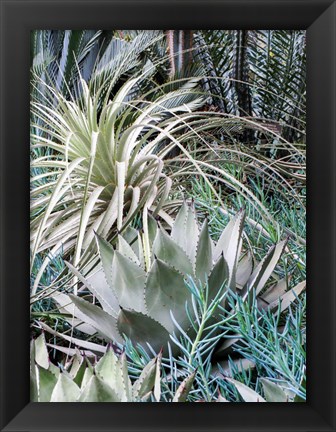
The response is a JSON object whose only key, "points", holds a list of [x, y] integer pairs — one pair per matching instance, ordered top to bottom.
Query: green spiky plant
{"points": [[103, 167], [144, 293], [88, 380]]}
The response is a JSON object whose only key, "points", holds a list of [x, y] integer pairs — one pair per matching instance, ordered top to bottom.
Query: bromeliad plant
{"points": [[104, 163], [145, 297]]}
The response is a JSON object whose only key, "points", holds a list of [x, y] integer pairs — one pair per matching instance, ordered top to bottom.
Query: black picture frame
{"points": [[18, 17]]}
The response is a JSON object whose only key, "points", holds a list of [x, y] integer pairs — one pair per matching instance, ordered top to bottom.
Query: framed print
{"points": [[166, 215]]}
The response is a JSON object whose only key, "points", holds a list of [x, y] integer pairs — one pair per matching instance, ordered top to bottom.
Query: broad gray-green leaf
{"points": [[152, 229], [178, 229], [191, 235], [228, 245], [125, 249], [167, 250], [106, 253], [204, 253], [244, 270], [264, 270], [218, 278], [128, 282], [100, 290], [165, 292], [275, 292], [289, 297], [99, 319], [142, 329], [41, 352], [78, 368], [112, 372], [86, 377], [46, 383], [145, 383], [184, 388], [65, 390], [97, 390], [245, 392], [273, 392]]}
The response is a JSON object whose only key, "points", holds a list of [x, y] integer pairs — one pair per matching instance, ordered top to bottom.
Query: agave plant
{"points": [[141, 286], [87, 380]]}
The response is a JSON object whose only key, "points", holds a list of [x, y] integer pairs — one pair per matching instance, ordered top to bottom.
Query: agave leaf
{"points": [[121, 171], [152, 229], [178, 229], [191, 235], [228, 245], [126, 250], [167, 250], [106, 253], [204, 254], [244, 270], [264, 270], [218, 276], [128, 282], [275, 291], [165, 292], [102, 293], [288, 298], [105, 324], [142, 329], [79, 342], [41, 352], [76, 361], [79, 370], [112, 372], [88, 374], [124, 378], [146, 380], [46, 383], [157, 384], [184, 388], [65, 390], [96, 390], [245, 392], [273, 392]]}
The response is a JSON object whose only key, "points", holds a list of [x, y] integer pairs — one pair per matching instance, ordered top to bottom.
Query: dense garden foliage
{"points": [[168, 194]]}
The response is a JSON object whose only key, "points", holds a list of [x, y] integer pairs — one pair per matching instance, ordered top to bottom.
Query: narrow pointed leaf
{"points": [[167, 250], [204, 254], [128, 282], [99, 319], [142, 329], [41, 352], [46, 383], [145, 383], [184, 388], [65, 390], [97, 390], [245, 392], [273, 392]]}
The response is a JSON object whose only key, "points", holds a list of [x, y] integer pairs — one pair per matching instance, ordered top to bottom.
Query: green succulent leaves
{"points": [[146, 276], [81, 381]]}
